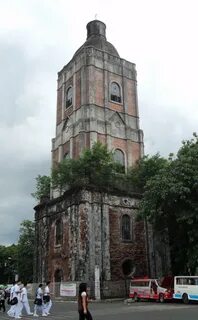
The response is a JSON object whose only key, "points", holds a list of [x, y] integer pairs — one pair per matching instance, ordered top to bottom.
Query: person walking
{"points": [[17, 296], [2, 298], [47, 299], [24, 300], [38, 302], [83, 303], [10, 312]]}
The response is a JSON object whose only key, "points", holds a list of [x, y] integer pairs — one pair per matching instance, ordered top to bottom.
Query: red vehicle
{"points": [[149, 289]]}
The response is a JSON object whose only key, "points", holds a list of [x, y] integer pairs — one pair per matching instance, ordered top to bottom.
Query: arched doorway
{"points": [[128, 269], [58, 277]]}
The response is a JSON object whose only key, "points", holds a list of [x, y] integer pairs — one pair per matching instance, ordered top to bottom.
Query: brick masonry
{"points": [[93, 114], [91, 224], [91, 236]]}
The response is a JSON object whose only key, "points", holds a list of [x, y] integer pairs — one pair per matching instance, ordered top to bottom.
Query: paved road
{"points": [[121, 311]]}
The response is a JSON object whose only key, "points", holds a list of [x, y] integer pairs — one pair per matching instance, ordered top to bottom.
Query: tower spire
{"points": [[96, 28]]}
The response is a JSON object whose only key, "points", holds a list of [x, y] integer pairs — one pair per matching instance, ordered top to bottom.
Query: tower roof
{"points": [[96, 37]]}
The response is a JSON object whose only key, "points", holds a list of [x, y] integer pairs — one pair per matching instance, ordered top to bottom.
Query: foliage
{"points": [[95, 167], [145, 169], [42, 187], [169, 190], [170, 201], [26, 250], [18, 258], [8, 263]]}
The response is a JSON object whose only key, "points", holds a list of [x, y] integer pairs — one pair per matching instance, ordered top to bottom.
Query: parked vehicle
{"points": [[186, 288], [149, 289]]}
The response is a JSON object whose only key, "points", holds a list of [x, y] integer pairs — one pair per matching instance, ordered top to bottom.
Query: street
{"points": [[121, 311]]}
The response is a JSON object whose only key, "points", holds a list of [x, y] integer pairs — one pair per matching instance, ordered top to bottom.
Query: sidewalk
{"points": [[109, 300]]}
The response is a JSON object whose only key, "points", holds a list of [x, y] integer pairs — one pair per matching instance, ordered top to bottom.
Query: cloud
{"points": [[37, 38], [17, 183]]}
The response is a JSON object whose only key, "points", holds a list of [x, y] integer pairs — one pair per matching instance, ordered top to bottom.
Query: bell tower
{"points": [[97, 101], [84, 235]]}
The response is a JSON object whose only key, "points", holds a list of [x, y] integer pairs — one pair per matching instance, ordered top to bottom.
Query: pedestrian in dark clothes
{"points": [[2, 299], [83, 301]]}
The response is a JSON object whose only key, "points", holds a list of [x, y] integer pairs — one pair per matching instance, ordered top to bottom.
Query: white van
{"points": [[149, 289]]}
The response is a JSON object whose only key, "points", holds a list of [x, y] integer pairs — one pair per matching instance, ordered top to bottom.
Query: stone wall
{"points": [[92, 112], [91, 238], [109, 289]]}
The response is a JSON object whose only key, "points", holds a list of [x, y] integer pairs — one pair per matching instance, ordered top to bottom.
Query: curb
{"points": [[91, 301], [129, 301]]}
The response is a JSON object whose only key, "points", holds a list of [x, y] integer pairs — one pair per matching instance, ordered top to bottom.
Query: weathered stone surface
{"points": [[93, 115], [91, 223], [92, 236]]}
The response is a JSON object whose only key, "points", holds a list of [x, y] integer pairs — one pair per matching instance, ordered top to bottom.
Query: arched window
{"points": [[115, 92], [69, 95], [66, 155], [118, 156], [126, 227], [58, 232]]}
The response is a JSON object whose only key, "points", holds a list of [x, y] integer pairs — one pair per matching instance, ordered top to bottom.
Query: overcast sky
{"points": [[38, 37]]}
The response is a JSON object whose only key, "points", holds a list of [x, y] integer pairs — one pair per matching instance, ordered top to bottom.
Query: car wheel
{"points": [[161, 298], [185, 298], [136, 299]]}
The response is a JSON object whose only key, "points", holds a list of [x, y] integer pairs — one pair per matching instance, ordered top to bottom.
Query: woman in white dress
{"points": [[47, 299], [24, 300], [38, 302]]}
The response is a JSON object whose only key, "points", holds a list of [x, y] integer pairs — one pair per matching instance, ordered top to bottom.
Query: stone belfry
{"points": [[97, 101], [83, 235]]}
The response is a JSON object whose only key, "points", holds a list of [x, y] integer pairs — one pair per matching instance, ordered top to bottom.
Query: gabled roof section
{"points": [[116, 116]]}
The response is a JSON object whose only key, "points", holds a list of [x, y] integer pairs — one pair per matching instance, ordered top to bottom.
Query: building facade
{"points": [[97, 101], [82, 235]]}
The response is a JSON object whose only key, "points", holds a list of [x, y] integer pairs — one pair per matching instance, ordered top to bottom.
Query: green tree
{"points": [[94, 168], [145, 169], [42, 187], [169, 190], [170, 202], [26, 250], [8, 263]]}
